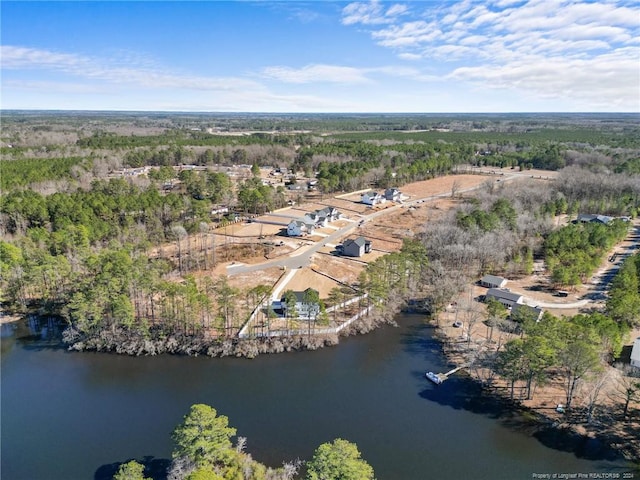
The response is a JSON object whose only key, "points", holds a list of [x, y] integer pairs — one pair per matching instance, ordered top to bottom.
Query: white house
{"points": [[372, 198], [331, 213], [314, 219], [298, 228], [493, 281], [505, 297], [305, 308], [635, 353]]}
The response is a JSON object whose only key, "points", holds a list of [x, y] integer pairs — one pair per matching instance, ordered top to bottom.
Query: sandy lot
{"points": [[263, 277], [306, 278]]}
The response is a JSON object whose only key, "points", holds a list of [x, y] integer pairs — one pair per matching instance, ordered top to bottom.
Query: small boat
{"points": [[434, 378]]}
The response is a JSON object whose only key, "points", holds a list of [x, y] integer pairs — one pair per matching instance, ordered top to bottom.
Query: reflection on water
{"points": [[84, 413]]}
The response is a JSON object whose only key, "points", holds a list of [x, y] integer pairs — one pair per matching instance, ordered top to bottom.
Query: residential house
{"points": [[297, 187], [393, 194], [372, 198], [331, 213], [591, 218], [314, 219], [298, 228], [356, 247], [492, 281], [505, 297], [303, 307], [520, 312], [635, 353]]}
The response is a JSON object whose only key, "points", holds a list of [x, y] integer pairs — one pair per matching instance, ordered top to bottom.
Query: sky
{"points": [[322, 56]]}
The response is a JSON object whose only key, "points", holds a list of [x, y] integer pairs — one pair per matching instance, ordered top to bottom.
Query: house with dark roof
{"points": [[393, 194], [356, 247], [493, 281], [505, 297], [304, 308]]}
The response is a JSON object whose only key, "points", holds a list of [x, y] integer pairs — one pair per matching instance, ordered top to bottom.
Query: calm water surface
{"points": [[77, 415]]}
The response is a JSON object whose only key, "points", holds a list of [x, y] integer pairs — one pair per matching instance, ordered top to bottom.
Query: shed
{"points": [[493, 281]]}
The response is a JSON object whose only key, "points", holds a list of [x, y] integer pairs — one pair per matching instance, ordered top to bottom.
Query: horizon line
{"points": [[292, 112]]}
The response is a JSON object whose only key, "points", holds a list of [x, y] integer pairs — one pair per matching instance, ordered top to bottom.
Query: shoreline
{"points": [[544, 424], [548, 429]]}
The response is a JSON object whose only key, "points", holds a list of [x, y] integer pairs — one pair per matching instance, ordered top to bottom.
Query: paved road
{"points": [[302, 256], [601, 280]]}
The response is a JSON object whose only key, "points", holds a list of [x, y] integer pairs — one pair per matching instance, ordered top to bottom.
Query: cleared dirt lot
{"points": [[306, 278]]}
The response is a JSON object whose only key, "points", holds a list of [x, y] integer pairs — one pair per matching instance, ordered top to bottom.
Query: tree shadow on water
{"points": [[418, 340], [464, 394], [155, 468]]}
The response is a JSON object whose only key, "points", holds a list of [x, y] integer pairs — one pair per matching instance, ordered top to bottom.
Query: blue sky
{"points": [[322, 56]]}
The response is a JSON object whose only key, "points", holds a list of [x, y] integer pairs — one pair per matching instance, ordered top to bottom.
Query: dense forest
{"points": [[106, 220]]}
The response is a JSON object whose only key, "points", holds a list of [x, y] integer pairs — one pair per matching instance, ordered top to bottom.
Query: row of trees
{"points": [[572, 253], [623, 304], [575, 347], [204, 451]]}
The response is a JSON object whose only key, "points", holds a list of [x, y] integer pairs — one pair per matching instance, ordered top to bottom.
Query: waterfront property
{"points": [[356, 247], [493, 281], [505, 297], [305, 308]]}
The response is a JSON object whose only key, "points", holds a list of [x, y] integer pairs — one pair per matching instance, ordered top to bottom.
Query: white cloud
{"points": [[371, 13], [581, 50], [114, 71], [316, 74], [609, 81]]}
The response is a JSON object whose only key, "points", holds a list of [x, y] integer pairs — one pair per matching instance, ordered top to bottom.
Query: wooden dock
{"points": [[445, 376]]}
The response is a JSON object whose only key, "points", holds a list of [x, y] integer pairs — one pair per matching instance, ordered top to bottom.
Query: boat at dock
{"points": [[435, 378]]}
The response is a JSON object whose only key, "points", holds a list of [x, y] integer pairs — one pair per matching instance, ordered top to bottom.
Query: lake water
{"points": [[77, 415]]}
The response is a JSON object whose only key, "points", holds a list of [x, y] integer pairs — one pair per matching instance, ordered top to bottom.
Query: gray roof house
{"points": [[393, 194], [372, 198], [331, 213], [591, 218], [297, 228], [356, 247], [493, 281], [505, 297], [304, 309], [635, 353]]}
